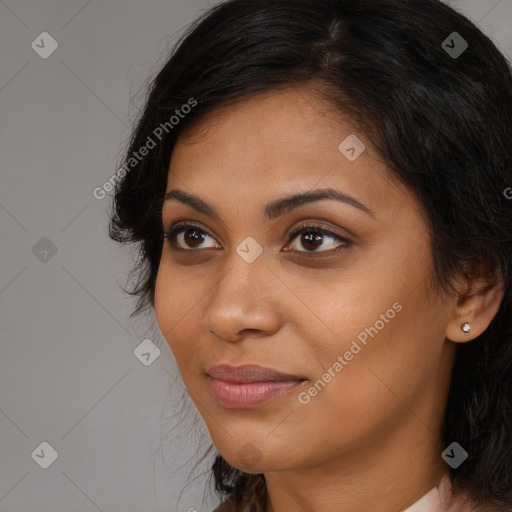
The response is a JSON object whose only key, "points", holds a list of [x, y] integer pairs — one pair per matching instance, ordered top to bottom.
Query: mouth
{"points": [[248, 386]]}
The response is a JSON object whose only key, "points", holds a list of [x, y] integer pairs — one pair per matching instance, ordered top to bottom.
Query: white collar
{"points": [[440, 499], [430, 502]]}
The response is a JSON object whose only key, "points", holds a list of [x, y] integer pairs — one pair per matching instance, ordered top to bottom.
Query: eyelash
{"points": [[183, 226]]}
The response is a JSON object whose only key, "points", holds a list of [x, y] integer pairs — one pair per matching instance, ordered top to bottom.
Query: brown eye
{"points": [[187, 237], [193, 237], [314, 237], [311, 240]]}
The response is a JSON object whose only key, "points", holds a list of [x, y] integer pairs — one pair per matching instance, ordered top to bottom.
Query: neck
{"points": [[387, 476]]}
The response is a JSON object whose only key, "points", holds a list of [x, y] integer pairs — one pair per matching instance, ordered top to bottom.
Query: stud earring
{"points": [[465, 328]]}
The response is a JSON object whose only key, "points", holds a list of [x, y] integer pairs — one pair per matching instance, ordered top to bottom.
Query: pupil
{"points": [[192, 236], [312, 239]]}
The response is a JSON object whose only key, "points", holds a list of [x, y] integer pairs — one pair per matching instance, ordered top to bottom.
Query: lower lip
{"points": [[238, 395]]}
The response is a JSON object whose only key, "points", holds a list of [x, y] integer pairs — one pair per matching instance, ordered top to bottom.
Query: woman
{"points": [[325, 236]]}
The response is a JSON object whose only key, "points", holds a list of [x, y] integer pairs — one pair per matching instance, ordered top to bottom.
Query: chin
{"points": [[253, 455]]}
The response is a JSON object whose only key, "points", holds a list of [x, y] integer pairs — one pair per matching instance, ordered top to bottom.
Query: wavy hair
{"points": [[441, 122]]}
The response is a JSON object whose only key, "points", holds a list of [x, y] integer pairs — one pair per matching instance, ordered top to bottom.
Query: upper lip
{"points": [[248, 373]]}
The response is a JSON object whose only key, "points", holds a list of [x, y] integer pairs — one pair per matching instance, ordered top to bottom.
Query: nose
{"points": [[245, 303]]}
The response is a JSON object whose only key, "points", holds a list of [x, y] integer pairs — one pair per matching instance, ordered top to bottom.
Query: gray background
{"points": [[126, 439]]}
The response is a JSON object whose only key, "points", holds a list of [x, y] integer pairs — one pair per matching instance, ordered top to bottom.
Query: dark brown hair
{"points": [[441, 122]]}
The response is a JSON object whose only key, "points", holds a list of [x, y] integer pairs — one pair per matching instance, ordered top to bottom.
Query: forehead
{"points": [[295, 114], [272, 132], [274, 144]]}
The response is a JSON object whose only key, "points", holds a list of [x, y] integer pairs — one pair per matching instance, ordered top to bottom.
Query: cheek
{"points": [[162, 300], [169, 303], [177, 309], [386, 326], [398, 345]]}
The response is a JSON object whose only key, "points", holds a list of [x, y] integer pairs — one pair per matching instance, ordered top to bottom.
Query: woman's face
{"points": [[348, 321]]}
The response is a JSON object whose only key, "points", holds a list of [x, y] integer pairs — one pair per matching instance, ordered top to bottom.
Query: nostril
{"points": [[225, 339]]}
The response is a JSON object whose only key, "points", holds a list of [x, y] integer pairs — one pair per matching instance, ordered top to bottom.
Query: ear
{"points": [[477, 305]]}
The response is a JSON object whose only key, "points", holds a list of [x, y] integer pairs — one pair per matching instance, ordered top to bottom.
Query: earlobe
{"points": [[475, 310], [466, 328]]}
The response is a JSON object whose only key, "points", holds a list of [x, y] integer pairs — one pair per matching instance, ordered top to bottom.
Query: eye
{"points": [[189, 237], [313, 237]]}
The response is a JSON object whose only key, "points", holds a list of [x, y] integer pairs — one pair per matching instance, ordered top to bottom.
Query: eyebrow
{"points": [[275, 208]]}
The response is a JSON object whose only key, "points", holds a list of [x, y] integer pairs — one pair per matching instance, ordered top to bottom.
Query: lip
{"points": [[248, 386]]}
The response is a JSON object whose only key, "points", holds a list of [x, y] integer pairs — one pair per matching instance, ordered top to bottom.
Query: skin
{"points": [[370, 439]]}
